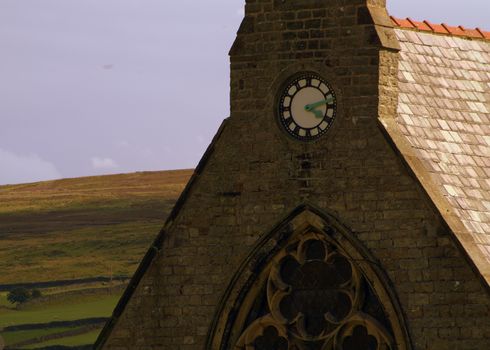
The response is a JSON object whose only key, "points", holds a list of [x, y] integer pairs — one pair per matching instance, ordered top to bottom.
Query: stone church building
{"points": [[343, 205]]}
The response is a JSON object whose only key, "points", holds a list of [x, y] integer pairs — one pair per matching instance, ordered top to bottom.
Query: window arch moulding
{"points": [[309, 284]]}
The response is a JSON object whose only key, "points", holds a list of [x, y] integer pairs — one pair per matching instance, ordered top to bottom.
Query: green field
{"points": [[75, 229], [3, 301], [96, 306], [71, 309], [18, 336], [82, 339]]}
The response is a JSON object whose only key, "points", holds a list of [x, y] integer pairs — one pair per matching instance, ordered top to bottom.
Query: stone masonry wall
{"points": [[257, 174]]}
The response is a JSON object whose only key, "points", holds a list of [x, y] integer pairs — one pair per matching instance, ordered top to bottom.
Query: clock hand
{"points": [[311, 107], [317, 113]]}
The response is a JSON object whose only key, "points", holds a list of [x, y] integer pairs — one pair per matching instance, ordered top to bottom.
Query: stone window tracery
{"points": [[316, 298]]}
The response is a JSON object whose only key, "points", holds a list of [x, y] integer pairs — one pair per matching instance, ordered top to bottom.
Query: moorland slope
{"points": [[83, 227]]}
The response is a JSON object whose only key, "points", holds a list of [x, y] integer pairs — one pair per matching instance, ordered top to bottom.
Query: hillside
{"points": [[83, 227]]}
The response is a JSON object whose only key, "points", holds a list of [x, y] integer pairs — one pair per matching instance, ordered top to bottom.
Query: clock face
{"points": [[307, 106]]}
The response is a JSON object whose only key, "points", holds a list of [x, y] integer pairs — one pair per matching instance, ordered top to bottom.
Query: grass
{"points": [[101, 190], [84, 227], [83, 252], [63, 290], [3, 301], [93, 306], [20, 336], [76, 340]]}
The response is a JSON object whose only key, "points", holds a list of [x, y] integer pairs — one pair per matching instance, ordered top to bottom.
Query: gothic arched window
{"points": [[306, 286]]}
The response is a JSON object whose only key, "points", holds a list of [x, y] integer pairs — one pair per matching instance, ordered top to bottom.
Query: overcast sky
{"points": [[109, 86]]}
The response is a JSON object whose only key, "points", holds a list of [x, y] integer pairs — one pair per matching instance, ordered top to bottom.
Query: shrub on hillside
{"points": [[18, 295], [22, 295]]}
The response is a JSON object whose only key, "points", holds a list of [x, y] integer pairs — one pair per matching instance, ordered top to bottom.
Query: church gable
{"points": [[309, 81]]}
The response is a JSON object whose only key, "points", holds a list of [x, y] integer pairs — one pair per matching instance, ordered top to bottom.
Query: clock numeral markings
{"points": [[315, 82], [302, 83], [324, 88], [292, 90], [287, 101], [330, 105], [287, 118], [323, 125], [293, 127], [302, 132], [314, 132]]}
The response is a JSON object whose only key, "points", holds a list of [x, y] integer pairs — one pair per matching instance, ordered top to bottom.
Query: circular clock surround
{"points": [[307, 106]]}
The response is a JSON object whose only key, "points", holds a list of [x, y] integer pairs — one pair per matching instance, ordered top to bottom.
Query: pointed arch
{"points": [[309, 283]]}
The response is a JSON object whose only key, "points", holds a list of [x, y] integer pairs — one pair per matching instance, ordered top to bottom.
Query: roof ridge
{"points": [[443, 28]]}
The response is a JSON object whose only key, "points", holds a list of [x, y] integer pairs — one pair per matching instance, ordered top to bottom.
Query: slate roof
{"points": [[444, 113]]}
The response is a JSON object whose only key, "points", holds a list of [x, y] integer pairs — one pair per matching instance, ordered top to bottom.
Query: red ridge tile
{"points": [[395, 21], [411, 22], [403, 23], [428, 24], [420, 25], [424, 26], [440, 28], [454, 30], [473, 33], [486, 35]]}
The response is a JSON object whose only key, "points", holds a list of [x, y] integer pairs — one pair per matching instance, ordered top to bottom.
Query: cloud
{"points": [[104, 163], [15, 168]]}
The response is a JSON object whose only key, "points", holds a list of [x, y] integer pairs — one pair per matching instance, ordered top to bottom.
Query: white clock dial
{"points": [[307, 106]]}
